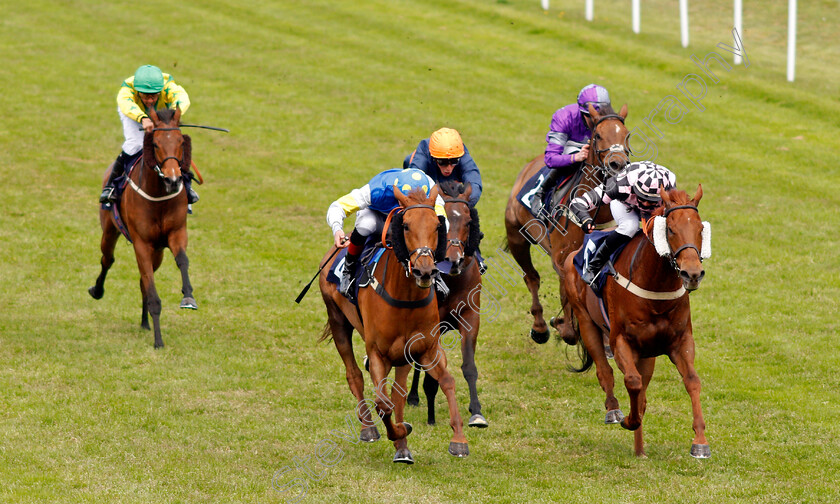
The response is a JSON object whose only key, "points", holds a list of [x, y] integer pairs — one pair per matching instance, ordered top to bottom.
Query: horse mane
{"points": [[607, 110], [165, 115], [452, 188]]}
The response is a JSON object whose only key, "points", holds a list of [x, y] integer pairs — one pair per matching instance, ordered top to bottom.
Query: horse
{"points": [[608, 153], [154, 213], [459, 311], [648, 311], [397, 316]]}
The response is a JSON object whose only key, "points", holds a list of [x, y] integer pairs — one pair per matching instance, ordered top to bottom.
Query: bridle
{"points": [[614, 148], [159, 163], [454, 242], [420, 251], [672, 254]]}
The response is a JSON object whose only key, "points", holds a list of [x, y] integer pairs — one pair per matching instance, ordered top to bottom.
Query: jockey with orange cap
{"points": [[148, 88], [567, 142], [444, 157], [372, 203]]}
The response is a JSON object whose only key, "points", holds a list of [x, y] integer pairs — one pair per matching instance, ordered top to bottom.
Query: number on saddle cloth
{"points": [[590, 245], [368, 259]]}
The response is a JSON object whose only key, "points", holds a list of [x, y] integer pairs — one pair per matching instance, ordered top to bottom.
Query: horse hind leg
{"points": [[110, 235], [520, 249], [148, 260], [470, 372], [430, 388], [413, 398]]}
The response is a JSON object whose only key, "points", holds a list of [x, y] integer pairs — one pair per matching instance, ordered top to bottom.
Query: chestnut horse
{"points": [[608, 153], [154, 211], [647, 304], [459, 311], [398, 318]]}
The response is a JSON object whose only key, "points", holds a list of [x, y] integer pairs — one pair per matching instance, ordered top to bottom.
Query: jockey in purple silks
{"points": [[568, 139]]}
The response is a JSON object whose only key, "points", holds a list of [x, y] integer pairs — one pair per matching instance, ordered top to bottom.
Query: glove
{"points": [[588, 226]]}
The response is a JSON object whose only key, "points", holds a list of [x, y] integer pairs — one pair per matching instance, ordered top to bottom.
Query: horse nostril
{"points": [[701, 275], [685, 276]]}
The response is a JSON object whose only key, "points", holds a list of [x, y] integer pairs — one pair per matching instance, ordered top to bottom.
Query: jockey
{"points": [[147, 88], [568, 139], [444, 157], [632, 194], [373, 202]]}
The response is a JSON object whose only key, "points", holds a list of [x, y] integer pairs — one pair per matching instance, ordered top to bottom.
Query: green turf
{"points": [[321, 95]]}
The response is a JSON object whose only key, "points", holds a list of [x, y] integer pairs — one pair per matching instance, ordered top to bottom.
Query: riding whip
{"points": [[306, 289]]}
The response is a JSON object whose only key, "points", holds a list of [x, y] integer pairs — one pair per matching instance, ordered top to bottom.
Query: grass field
{"points": [[320, 96]]}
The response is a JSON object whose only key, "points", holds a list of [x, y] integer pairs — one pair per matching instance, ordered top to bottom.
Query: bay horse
{"points": [[608, 153], [154, 213], [648, 310], [460, 311], [397, 316]]}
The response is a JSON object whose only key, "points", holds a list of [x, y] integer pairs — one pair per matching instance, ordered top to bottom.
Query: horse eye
{"points": [[670, 231]]}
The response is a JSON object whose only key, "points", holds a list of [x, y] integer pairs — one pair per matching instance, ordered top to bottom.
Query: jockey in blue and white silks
{"points": [[632, 194], [372, 203]]}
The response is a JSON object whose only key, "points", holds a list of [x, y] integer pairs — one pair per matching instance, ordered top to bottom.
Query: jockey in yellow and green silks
{"points": [[148, 88]]}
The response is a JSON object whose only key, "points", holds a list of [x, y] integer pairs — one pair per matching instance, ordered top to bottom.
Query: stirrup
{"points": [[108, 195], [192, 196]]}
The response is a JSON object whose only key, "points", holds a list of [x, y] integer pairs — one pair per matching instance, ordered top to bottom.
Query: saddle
{"points": [[555, 198]]}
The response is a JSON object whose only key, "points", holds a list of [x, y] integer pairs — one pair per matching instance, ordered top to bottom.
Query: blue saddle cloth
{"points": [[530, 188], [590, 245]]}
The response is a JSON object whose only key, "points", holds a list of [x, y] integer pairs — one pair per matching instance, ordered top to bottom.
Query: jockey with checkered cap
{"points": [[631, 194], [372, 203]]}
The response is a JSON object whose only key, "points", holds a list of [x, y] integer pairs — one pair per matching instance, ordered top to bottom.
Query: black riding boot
{"points": [[549, 182], [108, 192], [192, 196], [602, 255], [351, 260]]}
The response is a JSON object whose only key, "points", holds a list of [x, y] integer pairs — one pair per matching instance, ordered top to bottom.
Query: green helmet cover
{"points": [[148, 79]]}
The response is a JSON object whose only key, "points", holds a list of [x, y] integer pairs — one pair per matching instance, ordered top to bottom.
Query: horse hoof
{"points": [[96, 293], [189, 303], [554, 322], [540, 337], [158, 345], [608, 352], [367, 364], [413, 399], [614, 416], [478, 420], [408, 428], [369, 435], [459, 449], [701, 451], [403, 456]]}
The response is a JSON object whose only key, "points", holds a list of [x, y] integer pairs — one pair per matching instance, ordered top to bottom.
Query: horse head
{"points": [[609, 139], [166, 150], [677, 233], [464, 234], [416, 238]]}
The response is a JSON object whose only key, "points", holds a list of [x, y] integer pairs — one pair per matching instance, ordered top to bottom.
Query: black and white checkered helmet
{"points": [[646, 178]]}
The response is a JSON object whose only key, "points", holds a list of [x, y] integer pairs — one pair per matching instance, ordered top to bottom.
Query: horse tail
{"points": [[505, 245], [326, 333], [586, 360]]}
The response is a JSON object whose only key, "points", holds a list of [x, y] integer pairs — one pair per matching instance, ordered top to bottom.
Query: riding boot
{"points": [[548, 183], [109, 192], [192, 196], [351, 260], [596, 263]]}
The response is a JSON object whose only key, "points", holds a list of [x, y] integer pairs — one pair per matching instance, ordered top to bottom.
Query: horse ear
{"points": [[623, 111], [594, 113], [153, 116], [177, 118], [468, 191], [433, 194], [697, 195], [666, 196], [401, 198]]}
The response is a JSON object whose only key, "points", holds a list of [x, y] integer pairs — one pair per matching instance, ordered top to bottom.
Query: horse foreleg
{"points": [[110, 235], [178, 246], [151, 301], [469, 340], [625, 357], [683, 358], [645, 366], [379, 369], [398, 395], [413, 396], [458, 444]]}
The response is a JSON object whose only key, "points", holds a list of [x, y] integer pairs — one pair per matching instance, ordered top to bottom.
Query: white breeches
{"points": [[133, 134], [626, 217], [369, 221]]}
